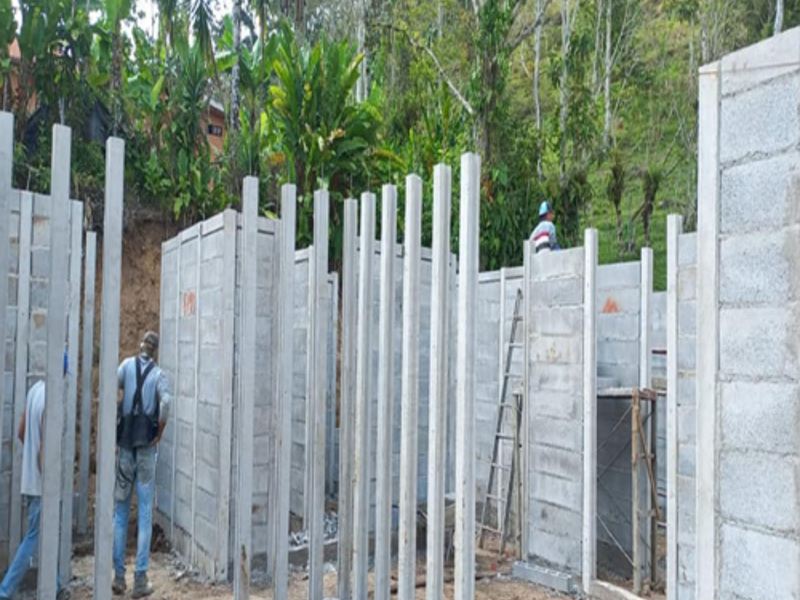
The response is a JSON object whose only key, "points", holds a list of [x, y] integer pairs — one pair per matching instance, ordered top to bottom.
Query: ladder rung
{"points": [[515, 318], [515, 345], [505, 436], [501, 467], [496, 498], [492, 529]]}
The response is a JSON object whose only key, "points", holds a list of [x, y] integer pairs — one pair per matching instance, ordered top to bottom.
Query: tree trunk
{"points": [[778, 16], [300, 18], [237, 42], [597, 42], [537, 50], [607, 78], [116, 79], [362, 86], [563, 88], [21, 116], [620, 242]]}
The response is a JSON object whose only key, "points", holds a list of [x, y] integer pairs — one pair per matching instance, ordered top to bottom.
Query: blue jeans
{"points": [[134, 467], [26, 551]]}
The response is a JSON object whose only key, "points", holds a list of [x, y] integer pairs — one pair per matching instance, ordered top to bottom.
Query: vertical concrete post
{"points": [[6, 173], [708, 188], [674, 228], [469, 250], [319, 279], [645, 318], [56, 329], [109, 358], [21, 363], [87, 364], [501, 367], [285, 379], [439, 384], [363, 398], [195, 400], [177, 402], [347, 413], [308, 467], [68, 476], [383, 495], [244, 499], [524, 518], [589, 554], [407, 559]]}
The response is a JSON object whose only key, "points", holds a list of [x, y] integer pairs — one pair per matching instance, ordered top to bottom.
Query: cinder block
{"points": [[759, 63], [760, 121], [757, 196], [687, 249], [566, 263], [756, 268], [616, 276], [687, 283], [557, 292], [618, 301], [687, 318], [556, 320], [616, 326], [757, 342], [566, 350], [611, 352], [687, 353], [556, 378], [687, 388], [560, 405], [760, 416], [556, 433], [687, 460], [560, 463], [760, 489], [687, 509], [556, 520], [559, 551], [756, 565], [686, 571]]}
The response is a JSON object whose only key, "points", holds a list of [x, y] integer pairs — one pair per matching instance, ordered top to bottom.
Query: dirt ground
{"points": [[172, 583]]}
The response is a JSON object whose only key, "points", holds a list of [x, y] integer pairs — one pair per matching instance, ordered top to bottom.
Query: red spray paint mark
{"points": [[610, 306]]}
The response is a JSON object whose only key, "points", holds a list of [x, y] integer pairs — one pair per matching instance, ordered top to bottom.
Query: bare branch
{"points": [[529, 29], [445, 77]]}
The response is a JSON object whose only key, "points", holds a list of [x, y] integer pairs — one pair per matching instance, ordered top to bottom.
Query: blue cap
{"points": [[544, 208], [66, 363]]}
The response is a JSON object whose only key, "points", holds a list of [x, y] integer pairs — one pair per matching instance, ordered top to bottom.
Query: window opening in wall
{"points": [[215, 130]]}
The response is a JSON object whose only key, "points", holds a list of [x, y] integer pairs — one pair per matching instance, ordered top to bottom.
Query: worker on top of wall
{"points": [[544, 235], [141, 418], [31, 434]]}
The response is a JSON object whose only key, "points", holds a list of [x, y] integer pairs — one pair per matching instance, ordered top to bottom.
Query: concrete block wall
{"points": [[751, 256], [31, 271], [497, 291], [618, 351], [686, 414], [554, 487]]}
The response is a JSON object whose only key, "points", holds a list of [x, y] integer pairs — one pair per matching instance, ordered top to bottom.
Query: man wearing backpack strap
{"points": [[141, 419]]}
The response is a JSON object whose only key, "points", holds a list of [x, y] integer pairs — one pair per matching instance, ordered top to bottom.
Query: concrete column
{"points": [[6, 173], [708, 190], [674, 228], [469, 250], [645, 319], [56, 330], [109, 359], [21, 363], [87, 367], [285, 379], [363, 399], [347, 413], [437, 431], [409, 452], [308, 467], [68, 477], [383, 496], [524, 517], [316, 529], [243, 534], [589, 558]]}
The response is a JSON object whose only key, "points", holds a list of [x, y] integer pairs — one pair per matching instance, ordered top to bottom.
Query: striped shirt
{"points": [[544, 237]]}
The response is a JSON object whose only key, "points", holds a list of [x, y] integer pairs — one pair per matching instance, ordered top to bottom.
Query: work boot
{"points": [[119, 587], [141, 587]]}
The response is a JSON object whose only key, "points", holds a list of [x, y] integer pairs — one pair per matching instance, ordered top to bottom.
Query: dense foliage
{"points": [[590, 104]]}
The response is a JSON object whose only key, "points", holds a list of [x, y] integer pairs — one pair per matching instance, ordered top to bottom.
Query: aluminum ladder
{"points": [[502, 499]]}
